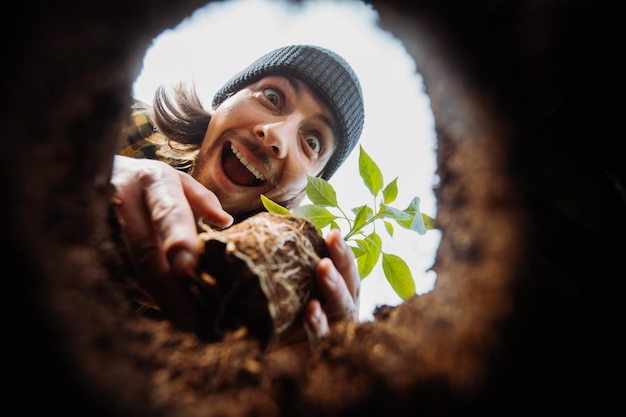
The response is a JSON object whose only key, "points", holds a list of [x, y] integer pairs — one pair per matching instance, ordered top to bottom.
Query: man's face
{"points": [[265, 139]]}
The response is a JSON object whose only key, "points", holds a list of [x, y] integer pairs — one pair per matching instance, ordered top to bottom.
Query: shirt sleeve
{"points": [[139, 139]]}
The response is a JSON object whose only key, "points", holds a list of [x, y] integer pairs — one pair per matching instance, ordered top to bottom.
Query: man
{"points": [[296, 111]]}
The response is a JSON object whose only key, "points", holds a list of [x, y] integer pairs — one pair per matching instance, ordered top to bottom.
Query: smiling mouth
{"points": [[238, 169]]}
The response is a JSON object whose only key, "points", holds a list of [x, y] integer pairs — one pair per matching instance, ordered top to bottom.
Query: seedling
{"points": [[359, 223]]}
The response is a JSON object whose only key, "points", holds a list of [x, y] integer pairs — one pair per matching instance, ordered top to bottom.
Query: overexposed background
{"points": [[222, 38]]}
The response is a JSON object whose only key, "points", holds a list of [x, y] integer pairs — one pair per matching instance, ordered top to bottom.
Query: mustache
{"points": [[260, 151]]}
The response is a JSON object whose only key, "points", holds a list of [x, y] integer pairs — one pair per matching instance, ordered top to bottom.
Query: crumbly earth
{"points": [[525, 312]]}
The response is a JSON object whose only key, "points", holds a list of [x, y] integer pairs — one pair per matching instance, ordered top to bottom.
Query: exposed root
{"points": [[259, 274]]}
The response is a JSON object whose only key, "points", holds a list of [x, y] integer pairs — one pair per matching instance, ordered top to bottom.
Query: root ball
{"points": [[258, 275]]}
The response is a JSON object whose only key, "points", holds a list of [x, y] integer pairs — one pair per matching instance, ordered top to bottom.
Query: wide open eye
{"points": [[273, 96], [314, 143]]}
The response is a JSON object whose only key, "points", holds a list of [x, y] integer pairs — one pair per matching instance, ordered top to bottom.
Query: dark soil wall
{"points": [[525, 315]]}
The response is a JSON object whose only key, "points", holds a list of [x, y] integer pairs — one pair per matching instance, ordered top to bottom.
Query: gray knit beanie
{"points": [[326, 73]]}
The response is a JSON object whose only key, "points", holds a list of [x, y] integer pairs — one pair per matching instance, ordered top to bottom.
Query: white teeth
{"points": [[247, 164]]}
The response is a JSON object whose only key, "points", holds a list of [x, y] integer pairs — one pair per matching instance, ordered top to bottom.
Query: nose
{"points": [[276, 134]]}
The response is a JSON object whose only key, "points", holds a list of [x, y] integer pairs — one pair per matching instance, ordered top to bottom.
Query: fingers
{"points": [[153, 197], [170, 201], [204, 202], [153, 204], [173, 219], [343, 268], [155, 274], [339, 282], [172, 295], [339, 302], [315, 322]]}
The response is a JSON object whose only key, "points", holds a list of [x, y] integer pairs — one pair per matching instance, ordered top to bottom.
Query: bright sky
{"points": [[224, 37]]}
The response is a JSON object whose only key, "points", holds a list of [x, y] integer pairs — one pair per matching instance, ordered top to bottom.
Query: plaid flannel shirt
{"points": [[140, 139], [143, 141]]}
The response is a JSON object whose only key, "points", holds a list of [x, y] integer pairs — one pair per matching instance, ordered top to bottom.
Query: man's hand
{"points": [[154, 204]]}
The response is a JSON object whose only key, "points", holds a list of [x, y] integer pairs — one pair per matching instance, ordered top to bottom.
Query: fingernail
{"points": [[228, 219], [340, 243], [183, 263], [332, 275], [317, 314]]}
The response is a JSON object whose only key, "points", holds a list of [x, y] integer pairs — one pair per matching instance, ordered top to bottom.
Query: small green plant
{"points": [[361, 234]]}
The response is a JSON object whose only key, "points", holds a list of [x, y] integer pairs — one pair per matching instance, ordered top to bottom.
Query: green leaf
{"points": [[372, 177], [320, 192], [390, 193], [414, 206], [273, 207], [365, 207], [393, 213], [317, 215], [360, 219], [416, 221], [429, 222], [418, 224], [389, 227], [372, 248], [357, 251], [398, 275]]}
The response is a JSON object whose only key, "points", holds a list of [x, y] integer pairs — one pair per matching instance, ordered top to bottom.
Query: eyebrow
{"points": [[295, 85]]}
